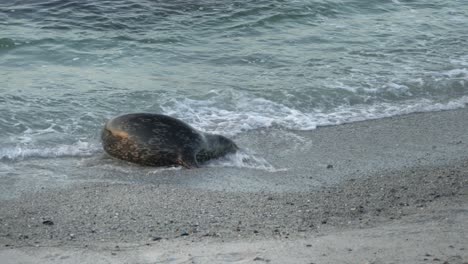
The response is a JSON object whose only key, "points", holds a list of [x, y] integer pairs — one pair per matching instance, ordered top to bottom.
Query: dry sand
{"points": [[396, 193]]}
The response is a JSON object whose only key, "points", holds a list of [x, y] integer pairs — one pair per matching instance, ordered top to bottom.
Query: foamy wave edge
{"points": [[255, 113], [78, 149], [244, 159]]}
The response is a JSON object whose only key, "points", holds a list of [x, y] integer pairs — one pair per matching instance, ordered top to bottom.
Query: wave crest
{"points": [[244, 113]]}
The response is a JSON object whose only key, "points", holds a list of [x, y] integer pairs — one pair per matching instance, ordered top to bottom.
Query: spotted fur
{"points": [[160, 140]]}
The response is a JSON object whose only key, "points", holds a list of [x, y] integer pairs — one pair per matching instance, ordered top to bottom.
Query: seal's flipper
{"points": [[189, 162]]}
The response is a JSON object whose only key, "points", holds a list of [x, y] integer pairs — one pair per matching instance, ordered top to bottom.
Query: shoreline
{"points": [[414, 186], [422, 214]]}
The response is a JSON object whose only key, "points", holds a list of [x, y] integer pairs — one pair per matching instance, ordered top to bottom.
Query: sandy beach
{"points": [[351, 119], [392, 190]]}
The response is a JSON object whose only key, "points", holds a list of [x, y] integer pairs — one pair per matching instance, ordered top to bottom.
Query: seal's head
{"points": [[217, 146]]}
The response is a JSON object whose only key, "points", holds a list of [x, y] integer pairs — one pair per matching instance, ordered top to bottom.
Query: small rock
{"points": [[329, 166], [48, 222], [255, 232], [184, 234], [212, 234], [156, 238], [308, 245], [113, 253], [261, 259]]}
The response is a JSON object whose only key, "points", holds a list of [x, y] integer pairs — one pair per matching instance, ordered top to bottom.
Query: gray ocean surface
{"points": [[226, 67]]}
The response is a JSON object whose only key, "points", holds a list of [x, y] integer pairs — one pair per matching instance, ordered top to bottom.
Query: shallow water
{"points": [[225, 67]]}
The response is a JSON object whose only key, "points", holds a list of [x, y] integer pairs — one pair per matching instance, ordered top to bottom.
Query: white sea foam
{"points": [[463, 61], [457, 73], [397, 88], [364, 112], [246, 113], [78, 149], [244, 159]]}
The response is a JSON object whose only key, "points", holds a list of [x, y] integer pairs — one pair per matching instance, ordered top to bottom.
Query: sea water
{"points": [[227, 67]]}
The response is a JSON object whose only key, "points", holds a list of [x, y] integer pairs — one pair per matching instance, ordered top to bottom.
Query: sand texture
{"points": [[386, 191]]}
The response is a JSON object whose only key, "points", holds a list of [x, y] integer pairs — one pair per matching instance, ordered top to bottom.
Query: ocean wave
{"points": [[140, 16], [247, 113], [78, 149]]}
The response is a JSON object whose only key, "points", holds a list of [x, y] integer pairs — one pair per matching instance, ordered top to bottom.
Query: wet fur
{"points": [[160, 140]]}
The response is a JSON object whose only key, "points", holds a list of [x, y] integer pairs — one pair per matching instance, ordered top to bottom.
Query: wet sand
{"points": [[386, 191]]}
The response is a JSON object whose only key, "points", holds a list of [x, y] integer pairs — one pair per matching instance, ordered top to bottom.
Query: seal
{"points": [[161, 140]]}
